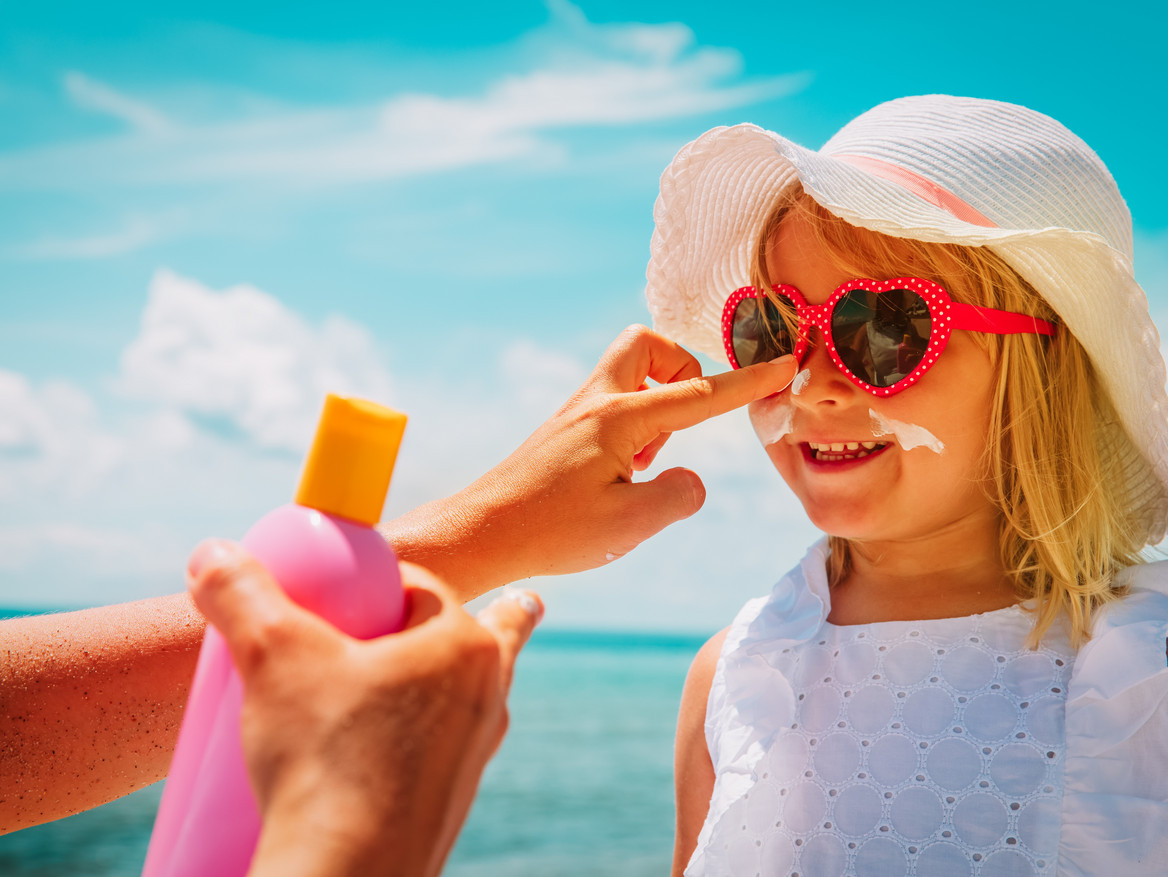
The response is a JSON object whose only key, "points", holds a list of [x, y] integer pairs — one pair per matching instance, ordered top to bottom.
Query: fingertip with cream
{"points": [[528, 601]]}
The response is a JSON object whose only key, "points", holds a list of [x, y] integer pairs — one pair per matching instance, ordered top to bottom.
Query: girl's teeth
{"points": [[833, 451]]}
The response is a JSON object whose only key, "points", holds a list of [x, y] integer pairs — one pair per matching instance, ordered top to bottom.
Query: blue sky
{"points": [[211, 218]]}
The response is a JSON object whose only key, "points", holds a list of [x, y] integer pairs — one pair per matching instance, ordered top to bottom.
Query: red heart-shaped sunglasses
{"points": [[882, 334]]}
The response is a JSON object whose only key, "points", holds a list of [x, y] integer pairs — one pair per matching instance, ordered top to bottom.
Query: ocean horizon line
{"points": [[544, 636]]}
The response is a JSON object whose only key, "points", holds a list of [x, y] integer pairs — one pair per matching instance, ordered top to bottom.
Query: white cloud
{"points": [[576, 75], [603, 92], [91, 94], [133, 235], [240, 356], [541, 380], [463, 424], [23, 425], [49, 440], [97, 506]]}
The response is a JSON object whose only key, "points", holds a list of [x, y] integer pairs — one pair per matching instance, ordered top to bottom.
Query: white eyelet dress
{"points": [[939, 747]]}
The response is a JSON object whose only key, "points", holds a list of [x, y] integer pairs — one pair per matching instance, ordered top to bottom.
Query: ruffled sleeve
{"points": [[749, 703], [1115, 798]]}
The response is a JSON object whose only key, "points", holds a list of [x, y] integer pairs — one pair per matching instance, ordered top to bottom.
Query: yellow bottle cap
{"points": [[351, 461]]}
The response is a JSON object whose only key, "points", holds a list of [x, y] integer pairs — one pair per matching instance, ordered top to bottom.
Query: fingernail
{"points": [[697, 493], [210, 552], [528, 601]]}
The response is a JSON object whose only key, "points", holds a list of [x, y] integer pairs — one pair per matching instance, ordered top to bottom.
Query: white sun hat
{"points": [[943, 169]]}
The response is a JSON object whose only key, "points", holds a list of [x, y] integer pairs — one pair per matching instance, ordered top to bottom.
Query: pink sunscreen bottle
{"points": [[326, 554]]}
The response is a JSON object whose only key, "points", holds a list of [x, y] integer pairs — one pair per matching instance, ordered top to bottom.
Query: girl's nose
{"points": [[819, 381]]}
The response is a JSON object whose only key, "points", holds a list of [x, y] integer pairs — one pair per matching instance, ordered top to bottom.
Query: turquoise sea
{"points": [[581, 786]]}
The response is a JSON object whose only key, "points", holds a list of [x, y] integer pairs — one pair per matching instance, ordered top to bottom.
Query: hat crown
{"points": [[1017, 167]]}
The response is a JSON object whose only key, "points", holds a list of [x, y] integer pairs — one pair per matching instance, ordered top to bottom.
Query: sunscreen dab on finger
{"points": [[907, 435]]}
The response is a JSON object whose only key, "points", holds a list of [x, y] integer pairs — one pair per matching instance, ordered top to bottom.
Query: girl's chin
{"points": [[844, 523]]}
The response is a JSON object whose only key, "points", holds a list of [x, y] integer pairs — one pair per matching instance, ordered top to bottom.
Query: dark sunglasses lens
{"points": [[760, 332], [881, 337]]}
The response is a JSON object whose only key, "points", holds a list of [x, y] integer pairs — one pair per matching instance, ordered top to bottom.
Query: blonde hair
{"points": [[1065, 523]]}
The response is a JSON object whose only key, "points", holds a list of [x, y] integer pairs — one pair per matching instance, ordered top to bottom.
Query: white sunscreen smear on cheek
{"points": [[801, 381], [772, 419], [907, 435]]}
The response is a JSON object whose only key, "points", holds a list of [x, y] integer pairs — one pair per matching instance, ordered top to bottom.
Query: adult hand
{"points": [[566, 501], [364, 754]]}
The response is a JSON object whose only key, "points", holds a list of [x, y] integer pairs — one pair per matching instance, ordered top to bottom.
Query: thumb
{"points": [[651, 506], [242, 601], [511, 617]]}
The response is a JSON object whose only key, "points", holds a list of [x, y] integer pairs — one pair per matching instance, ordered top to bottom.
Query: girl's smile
{"points": [[832, 454]]}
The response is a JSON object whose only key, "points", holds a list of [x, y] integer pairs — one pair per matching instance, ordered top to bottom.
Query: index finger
{"points": [[683, 404]]}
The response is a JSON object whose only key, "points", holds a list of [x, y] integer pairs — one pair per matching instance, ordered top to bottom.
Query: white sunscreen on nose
{"points": [[801, 381], [772, 419], [907, 435]]}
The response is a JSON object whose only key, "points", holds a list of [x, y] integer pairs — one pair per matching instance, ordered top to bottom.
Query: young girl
{"points": [[968, 676]]}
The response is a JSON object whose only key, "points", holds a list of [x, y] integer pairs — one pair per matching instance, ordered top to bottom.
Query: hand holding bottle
{"points": [[328, 558], [364, 754]]}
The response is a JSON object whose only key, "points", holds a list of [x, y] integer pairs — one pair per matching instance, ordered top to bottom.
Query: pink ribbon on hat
{"points": [[924, 189]]}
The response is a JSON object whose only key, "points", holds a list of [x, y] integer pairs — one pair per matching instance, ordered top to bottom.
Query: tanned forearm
{"points": [[90, 704]]}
